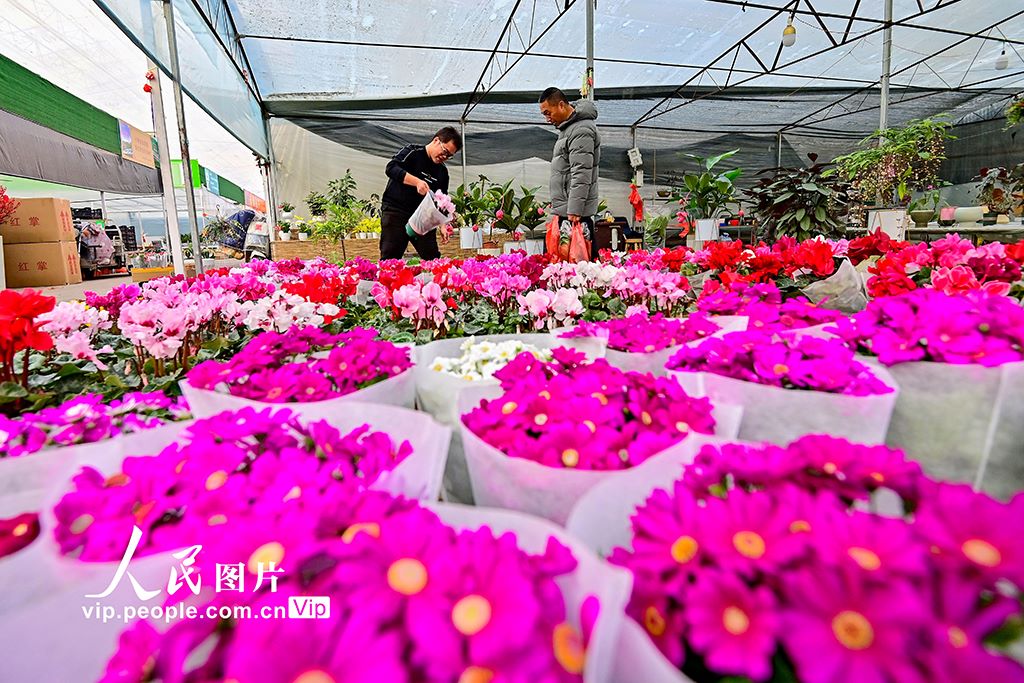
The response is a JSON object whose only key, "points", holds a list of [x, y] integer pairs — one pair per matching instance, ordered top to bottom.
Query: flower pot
{"points": [[663, 193], [969, 214], [286, 215], [922, 217], [989, 218], [892, 221], [707, 231], [284, 236], [303, 236], [470, 239], [513, 245], [536, 246]]}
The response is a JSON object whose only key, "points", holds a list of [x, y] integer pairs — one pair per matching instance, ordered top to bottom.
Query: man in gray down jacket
{"points": [[576, 157]]}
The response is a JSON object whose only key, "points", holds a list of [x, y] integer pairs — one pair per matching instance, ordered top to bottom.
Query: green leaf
{"points": [[800, 213], [69, 370], [115, 381], [12, 391]]}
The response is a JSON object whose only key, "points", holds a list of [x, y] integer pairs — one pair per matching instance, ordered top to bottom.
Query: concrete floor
{"points": [[75, 292]]}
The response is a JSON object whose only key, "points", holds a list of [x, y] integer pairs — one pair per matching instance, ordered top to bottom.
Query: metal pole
{"points": [[590, 48], [463, 122], [883, 122], [778, 151], [186, 159], [166, 179], [270, 180], [103, 206]]}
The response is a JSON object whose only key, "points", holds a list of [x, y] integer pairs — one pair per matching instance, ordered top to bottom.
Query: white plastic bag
{"points": [[427, 216], [844, 290], [655, 361], [399, 390], [437, 393], [780, 415], [962, 422], [502, 481], [610, 585], [637, 658]]}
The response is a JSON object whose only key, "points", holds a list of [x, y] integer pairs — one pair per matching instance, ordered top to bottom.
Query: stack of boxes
{"points": [[39, 245]]}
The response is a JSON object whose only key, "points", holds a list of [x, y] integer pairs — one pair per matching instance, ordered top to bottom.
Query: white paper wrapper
{"points": [[427, 216], [844, 290], [655, 361], [399, 390], [437, 393], [781, 415], [962, 422], [42, 471], [499, 480], [609, 584], [637, 658]]}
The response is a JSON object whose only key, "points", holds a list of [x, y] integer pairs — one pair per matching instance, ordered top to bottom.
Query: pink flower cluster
{"points": [[951, 265], [660, 291], [421, 302], [763, 305], [549, 309], [926, 325], [74, 326], [641, 333], [809, 363], [287, 368], [629, 416], [87, 419], [223, 467], [787, 583], [410, 600]]}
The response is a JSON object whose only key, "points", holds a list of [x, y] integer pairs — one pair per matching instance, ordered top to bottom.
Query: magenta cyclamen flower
{"points": [[926, 325], [646, 334], [810, 363], [280, 368], [628, 416], [87, 419], [229, 465], [411, 600]]}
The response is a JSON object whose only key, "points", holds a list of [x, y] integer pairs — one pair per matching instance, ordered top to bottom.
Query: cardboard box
{"points": [[39, 220], [45, 264], [147, 274]]}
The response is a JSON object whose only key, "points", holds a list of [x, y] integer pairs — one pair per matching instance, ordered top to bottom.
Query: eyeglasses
{"points": [[447, 153]]}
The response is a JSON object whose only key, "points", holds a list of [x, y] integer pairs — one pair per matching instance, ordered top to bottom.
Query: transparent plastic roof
{"points": [[374, 49]]}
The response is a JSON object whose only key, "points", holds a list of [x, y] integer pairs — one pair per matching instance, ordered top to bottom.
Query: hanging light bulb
{"points": [[789, 33], [1002, 61]]}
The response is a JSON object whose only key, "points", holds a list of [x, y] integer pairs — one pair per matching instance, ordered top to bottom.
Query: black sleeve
{"points": [[396, 169], [443, 180]]}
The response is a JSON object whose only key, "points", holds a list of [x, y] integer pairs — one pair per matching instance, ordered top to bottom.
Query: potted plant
{"points": [[890, 165], [706, 193], [995, 193], [799, 202], [317, 203], [473, 204], [926, 207], [286, 209], [521, 216], [284, 231]]}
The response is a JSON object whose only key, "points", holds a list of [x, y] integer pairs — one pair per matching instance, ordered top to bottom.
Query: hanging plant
{"points": [[1015, 112]]}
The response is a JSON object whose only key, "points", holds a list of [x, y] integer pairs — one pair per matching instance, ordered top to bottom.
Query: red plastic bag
{"points": [[638, 203], [552, 236], [579, 247]]}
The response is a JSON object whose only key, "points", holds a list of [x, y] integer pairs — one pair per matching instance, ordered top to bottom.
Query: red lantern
{"points": [[147, 88]]}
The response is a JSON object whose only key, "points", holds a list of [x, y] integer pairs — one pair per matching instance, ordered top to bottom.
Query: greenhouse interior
{"points": [[609, 341]]}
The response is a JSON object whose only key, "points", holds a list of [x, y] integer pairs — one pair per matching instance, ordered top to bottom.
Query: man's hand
{"points": [[422, 187], [574, 218], [445, 233]]}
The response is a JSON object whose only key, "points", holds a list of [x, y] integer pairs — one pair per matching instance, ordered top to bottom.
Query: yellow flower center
{"points": [[343, 366], [780, 369], [274, 393], [546, 395], [601, 398], [509, 408], [645, 417], [540, 420], [591, 426], [682, 427], [570, 457], [179, 467], [830, 468], [877, 477], [119, 479], [216, 480], [293, 493], [141, 510], [217, 520], [81, 523], [800, 526], [368, 528], [20, 530], [749, 544], [684, 548], [981, 552], [265, 554], [867, 560], [407, 576], [471, 614], [735, 620], [654, 622], [853, 630], [957, 637], [568, 646], [476, 674], [314, 676]]}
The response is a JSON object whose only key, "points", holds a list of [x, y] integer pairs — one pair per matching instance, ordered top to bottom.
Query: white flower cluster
{"points": [[480, 360]]}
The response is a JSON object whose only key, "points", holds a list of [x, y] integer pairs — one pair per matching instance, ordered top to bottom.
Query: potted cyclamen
{"points": [[705, 194]]}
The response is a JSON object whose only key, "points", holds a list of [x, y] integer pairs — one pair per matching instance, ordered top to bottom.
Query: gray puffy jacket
{"points": [[575, 162]]}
